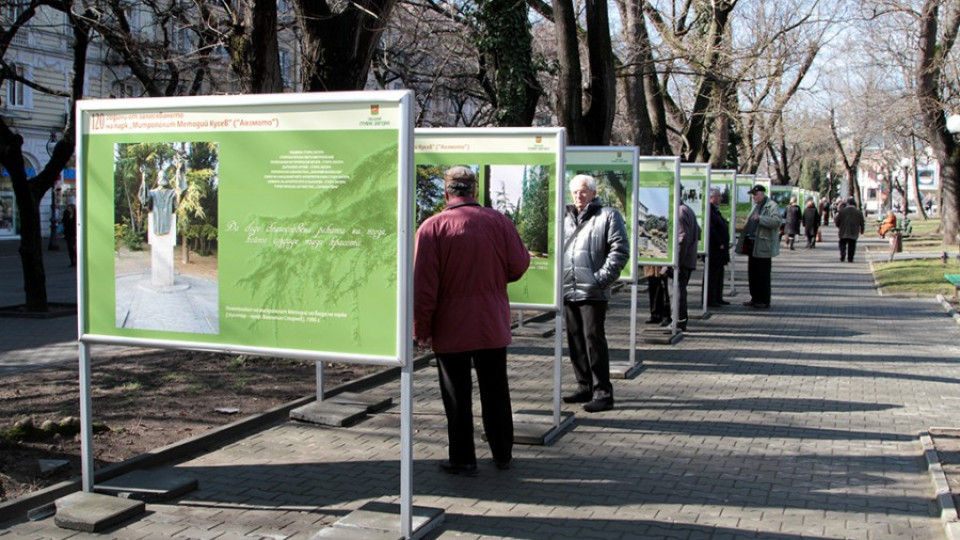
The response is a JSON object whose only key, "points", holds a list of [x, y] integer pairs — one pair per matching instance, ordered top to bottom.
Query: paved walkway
{"points": [[800, 421]]}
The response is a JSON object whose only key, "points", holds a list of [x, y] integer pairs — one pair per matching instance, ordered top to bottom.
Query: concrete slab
{"points": [[535, 329], [661, 337], [625, 370], [370, 402], [327, 413], [536, 427], [52, 465], [148, 485], [92, 512], [381, 520]]}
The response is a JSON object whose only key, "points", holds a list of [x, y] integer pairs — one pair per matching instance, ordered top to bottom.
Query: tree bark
{"points": [[338, 47], [931, 56]]}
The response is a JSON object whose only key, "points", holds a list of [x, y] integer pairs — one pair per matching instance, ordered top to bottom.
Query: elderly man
{"points": [[850, 225], [760, 241], [595, 250], [719, 250], [464, 257]]}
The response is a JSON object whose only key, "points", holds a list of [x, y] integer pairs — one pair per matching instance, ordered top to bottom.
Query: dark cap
{"points": [[756, 188]]}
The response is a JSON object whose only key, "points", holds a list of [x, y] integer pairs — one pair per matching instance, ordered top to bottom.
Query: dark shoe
{"points": [[849, 260], [723, 303], [748, 303], [717, 305], [761, 306], [653, 320], [666, 322], [682, 326], [580, 396], [598, 404], [502, 465], [457, 469]]}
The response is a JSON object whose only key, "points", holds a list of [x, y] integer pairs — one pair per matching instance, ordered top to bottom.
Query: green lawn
{"points": [[920, 276]]}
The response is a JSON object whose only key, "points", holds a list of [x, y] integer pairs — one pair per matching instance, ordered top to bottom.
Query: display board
{"points": [[615, 168], [520, 171], [725, 180], [658, 181], [694, 182], [781, 195], [743, 201], [298, 203]]}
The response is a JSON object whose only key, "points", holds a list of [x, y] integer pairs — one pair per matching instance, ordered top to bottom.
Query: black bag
{"points": [[746, 248]]}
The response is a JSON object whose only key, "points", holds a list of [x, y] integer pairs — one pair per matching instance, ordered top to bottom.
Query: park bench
{"points": [[954, 280]]}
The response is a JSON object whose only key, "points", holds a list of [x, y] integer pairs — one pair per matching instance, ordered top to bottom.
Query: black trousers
{"points": [[848, 247], [684, 275], [758, 276], [715, 284], [658, 290], [587, 341], [456, 389]]}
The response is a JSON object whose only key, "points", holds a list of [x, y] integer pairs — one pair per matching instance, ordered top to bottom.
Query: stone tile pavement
{"points": [[800, 421]]}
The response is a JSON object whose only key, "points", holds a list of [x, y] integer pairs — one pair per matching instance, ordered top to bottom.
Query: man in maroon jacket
{"points": [[463, 260]]}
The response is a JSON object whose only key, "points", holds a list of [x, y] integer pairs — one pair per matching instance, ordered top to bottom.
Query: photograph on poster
{"points": [[724, 189], [522, 193], [691, 194], [781, 196], [165, 198], [430, 198], [653, 223]]}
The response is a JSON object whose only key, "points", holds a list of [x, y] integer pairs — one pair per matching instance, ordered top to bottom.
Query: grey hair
{"points": [[587, 180], [460, 181], [715, 192]]}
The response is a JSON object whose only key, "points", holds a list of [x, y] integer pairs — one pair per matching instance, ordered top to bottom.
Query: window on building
{"points": [[13, 8], [286, 68], [126, 89], [16, 90]]}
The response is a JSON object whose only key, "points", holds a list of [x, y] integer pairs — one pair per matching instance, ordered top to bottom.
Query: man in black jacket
{"points": [[595, 250], [719, 250]]}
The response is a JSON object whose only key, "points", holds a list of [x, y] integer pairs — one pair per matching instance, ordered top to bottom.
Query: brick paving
{"points": [[800, 421]]}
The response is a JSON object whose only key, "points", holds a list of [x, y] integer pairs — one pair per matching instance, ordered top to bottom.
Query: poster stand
{"points": [[386, 116], [505, 147], [621, 163], [668, 257]]}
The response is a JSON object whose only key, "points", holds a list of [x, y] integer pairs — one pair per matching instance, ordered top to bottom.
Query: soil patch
{"points": [[146, 402]]}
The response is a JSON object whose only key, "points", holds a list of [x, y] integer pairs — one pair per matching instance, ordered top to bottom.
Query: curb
{"points": [[948, 308], [36, 501], [948, 511]]}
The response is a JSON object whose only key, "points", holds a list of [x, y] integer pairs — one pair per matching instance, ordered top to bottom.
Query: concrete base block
{"points": [[705, 315], [535, 329], [661, 337], [625, 370], [371, 403], [327, 413], [536, 427], [155, 485], [92, 512], [381, 521]]}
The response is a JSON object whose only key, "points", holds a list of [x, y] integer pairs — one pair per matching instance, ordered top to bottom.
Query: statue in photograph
{"points": [[163, 199]]}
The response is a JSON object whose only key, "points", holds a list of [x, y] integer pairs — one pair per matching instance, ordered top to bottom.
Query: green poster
{"points": [[614, 168], [519, 174], [694, 178], [725, 180], [657, 181], [743, 201], [290, 207]]}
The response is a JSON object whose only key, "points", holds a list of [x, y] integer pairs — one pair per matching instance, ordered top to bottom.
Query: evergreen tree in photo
{"points": [[534, 213]]}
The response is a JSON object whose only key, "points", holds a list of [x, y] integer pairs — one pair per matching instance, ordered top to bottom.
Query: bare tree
{"points": [[29, 191]]}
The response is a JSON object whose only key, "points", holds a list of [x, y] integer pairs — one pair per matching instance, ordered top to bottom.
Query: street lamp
{"points": [[52, 245]]}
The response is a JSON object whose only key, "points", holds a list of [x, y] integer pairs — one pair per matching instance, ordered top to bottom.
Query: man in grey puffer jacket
{"points": [[595, 250]]}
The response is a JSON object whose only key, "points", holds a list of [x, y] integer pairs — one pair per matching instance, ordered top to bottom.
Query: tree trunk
{"points": [[338, 47], [255, 50], [506, 51], [929, 73], [569, 81], [602, 92], [645, 114]]}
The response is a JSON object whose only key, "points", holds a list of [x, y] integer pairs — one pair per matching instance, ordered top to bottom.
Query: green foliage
{"points": [[810, 175], [429, 195], [534, 216], [125, 235], [919, 276]]}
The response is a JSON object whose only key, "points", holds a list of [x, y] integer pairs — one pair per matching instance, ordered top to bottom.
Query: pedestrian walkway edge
{"points": [[948, 510]]}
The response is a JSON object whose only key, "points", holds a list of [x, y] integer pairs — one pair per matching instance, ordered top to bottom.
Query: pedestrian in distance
{"points": [[69, 222], [811, 223], [850, 224], [791, 225], [688, 236], [759, 241], [595, 251], [719, 251], [463, 259], [658, 292]]}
